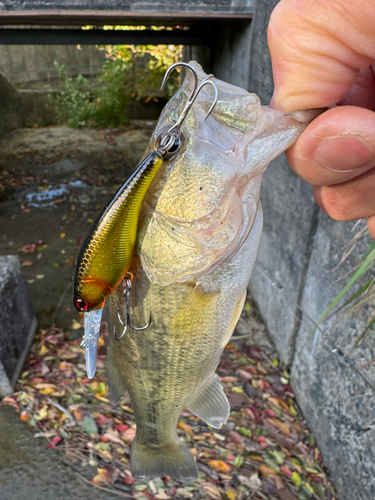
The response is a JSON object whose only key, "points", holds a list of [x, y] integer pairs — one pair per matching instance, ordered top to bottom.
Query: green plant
{"points": [[129, 72], [72, 103], [362, 296]]}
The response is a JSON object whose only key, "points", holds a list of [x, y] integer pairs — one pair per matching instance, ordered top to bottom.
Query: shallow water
{"points": [[30, 471]]}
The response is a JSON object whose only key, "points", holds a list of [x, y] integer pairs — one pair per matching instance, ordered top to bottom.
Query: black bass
{"points": [[198, 235]]}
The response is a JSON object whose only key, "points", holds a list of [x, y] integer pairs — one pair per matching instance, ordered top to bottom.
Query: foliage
{"points": [[129, 72], [71, 103], [360, 297], [264, 449]]}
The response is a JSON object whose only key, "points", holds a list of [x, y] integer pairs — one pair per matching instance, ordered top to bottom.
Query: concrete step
{"points": [[17, 322]]}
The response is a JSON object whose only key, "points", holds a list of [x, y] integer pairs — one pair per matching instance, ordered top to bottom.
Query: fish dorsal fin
{"points": [[210, 403]]}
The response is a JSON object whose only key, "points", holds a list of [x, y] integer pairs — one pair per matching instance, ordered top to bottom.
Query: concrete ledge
{"points": [[20, 109], [17, 323]]}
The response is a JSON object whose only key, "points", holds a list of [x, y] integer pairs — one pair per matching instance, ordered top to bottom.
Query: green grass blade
{"points": [[366, 264], [352, 298], [369, 325]]}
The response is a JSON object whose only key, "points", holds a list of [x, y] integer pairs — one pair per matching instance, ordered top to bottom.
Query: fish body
{"points": [[198, 235], [109, 246]]}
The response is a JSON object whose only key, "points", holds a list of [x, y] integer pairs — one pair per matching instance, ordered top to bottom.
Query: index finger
{"points": [[317, 49]]}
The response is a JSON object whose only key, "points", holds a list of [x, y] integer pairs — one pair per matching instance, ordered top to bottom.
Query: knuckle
{"points": [[335, 204]]}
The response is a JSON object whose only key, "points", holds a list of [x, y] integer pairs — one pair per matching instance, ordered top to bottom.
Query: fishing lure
{"points": [[107, 251]]}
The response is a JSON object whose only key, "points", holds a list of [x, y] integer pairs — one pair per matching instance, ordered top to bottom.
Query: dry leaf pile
{"points": [[264, 451]]}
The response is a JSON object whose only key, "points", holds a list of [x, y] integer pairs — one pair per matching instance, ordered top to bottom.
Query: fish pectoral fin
{"points": [[116, 387], [211, 404], [175, 461]]}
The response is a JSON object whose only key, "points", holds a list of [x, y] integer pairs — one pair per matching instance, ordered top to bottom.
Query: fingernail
{"points": [[343, 153]]}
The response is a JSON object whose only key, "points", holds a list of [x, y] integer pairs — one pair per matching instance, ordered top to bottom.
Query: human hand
{"points": [[323, 53]]}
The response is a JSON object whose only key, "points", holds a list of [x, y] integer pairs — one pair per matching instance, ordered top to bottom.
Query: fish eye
{"points": [[81, 304]]}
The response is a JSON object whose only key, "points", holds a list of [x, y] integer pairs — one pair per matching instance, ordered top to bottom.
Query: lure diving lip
{"points": [[107, 251]]}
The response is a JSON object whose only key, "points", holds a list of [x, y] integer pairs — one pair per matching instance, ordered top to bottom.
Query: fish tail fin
{"points": [[173, 460]]}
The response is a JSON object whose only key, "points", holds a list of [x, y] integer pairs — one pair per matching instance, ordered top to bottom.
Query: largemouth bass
{"points": [[198, 235]]}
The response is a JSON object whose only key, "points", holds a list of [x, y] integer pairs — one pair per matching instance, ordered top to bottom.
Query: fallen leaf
{"points": [[75, 325], [45, 385], [47, 390], [43, 412], [79, 414], [103, 420], [275, 424], [90, 426], [184, 427], [129, 435], [113, 436], [55, 441], [219, 465], [285, 470], [266, 471], [296, 478], [253, 482], [212, 490], [162, 495]]}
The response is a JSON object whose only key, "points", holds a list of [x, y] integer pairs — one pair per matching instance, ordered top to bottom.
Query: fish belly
{"points": [[171, 365]]}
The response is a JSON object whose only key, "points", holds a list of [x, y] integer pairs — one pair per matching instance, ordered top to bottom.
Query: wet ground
{"points": [[53, 183], [30, 471]]}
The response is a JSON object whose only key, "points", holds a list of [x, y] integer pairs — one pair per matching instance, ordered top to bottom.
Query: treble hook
{"points": [[193, 95], [127, 286]]}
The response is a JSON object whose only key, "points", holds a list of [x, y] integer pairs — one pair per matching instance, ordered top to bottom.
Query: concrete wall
{"points": [[57, 8], [31, 66], [22, 108], [294, 281]]}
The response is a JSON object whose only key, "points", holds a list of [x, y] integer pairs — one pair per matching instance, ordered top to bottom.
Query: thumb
{"points": [[317, 49]]}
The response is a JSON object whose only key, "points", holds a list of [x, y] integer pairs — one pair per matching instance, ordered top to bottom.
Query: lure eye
{"points": [[81, 304]]}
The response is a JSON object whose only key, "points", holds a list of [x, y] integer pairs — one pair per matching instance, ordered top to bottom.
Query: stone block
{"points": [[22, 108], [289, 216], [289, 224], [17, 322], [334, 383]]}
